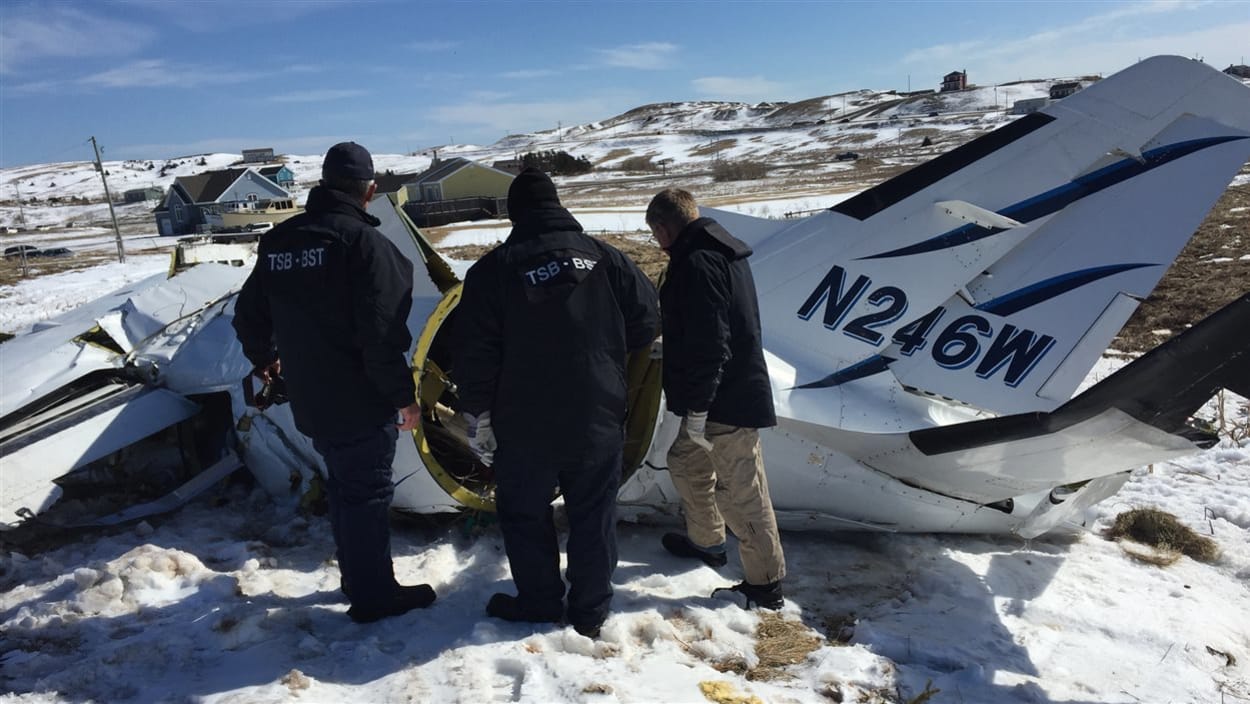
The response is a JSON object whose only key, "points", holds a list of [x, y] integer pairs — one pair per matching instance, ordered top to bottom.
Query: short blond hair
{"points": [[674, 207]]}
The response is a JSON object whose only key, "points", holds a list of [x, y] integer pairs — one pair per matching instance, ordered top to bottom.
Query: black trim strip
{"points": [[880, 197], [873, 365], [1162, 388]]}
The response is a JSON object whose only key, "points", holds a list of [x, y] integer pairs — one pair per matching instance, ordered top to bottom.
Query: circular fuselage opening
{"points": [[442, 436]]}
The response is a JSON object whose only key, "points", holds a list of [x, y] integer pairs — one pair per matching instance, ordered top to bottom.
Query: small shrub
{"points": [[557, 163], [639, 163], [738, 171]]}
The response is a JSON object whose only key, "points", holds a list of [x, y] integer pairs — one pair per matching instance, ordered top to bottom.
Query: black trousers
{"points": [[524, 492], [359, 493]]}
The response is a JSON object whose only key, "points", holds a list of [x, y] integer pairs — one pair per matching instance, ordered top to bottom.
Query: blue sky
{"points": [[159, 78]]}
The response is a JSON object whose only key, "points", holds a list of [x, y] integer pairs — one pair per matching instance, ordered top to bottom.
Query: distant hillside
{"points": [[696, 118]]}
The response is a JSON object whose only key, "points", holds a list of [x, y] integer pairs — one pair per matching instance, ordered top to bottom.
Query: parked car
{"points": [[847, 156], [17, 251], [56, 252]]}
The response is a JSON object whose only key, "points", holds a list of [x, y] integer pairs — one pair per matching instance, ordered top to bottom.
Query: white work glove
{"points": [[657, 348], [696, 428], [482, 437]]}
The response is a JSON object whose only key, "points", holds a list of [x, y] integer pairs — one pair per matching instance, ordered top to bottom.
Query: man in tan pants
{"points": [[715, 378]]}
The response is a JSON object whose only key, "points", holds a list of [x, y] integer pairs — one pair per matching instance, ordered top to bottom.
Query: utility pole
{"points": [[21, 212], [121, 251]]}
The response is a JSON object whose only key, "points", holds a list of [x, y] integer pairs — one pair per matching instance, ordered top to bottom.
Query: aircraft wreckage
{"points": [[924, 340]]}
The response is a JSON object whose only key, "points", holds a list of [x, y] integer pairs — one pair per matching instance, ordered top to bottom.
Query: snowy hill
{"points": [[687, 134]]}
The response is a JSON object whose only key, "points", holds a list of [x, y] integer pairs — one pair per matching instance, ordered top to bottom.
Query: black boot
{"points": [[681, 546], [765, 596], [405, 599], [510, 608], [590, 630]]}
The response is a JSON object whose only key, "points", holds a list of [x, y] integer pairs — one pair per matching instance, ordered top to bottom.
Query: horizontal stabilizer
{"points": [[963, 210], [748, 228]]}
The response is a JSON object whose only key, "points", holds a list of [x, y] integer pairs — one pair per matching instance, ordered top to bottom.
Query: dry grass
{"points": [[920, 133], [614, 154], [640, 163], [741, 170], [11, 269], [1164, 534], [779, 644], [929, 692], [726, 693]]}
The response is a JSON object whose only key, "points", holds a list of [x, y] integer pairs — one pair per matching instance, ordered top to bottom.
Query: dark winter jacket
{"points": [[330, 297], [545, 322], [713, 358]]}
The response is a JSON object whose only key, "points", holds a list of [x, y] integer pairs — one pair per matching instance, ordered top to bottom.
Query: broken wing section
{"points": [[94, 381], [110, 417]]}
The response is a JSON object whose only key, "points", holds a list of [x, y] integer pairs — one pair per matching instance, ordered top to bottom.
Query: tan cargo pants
{"points": [[727, 487]]}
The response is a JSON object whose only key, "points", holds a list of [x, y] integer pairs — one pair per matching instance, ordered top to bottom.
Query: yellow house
{"points": [[459, 178], [455, 190]]}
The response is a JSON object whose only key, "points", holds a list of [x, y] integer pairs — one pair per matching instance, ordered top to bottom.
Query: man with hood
{"points": [[326, 308], [546, 321], [715, 378]]}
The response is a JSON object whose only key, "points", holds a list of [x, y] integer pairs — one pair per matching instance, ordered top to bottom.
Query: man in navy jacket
{"points": [[326, 307], [546, 320]]}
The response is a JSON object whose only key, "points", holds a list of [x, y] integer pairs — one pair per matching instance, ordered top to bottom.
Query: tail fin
{"points": [[998, 273]]}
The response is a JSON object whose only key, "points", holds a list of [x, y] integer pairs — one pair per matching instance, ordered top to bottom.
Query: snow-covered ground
{"points": [[233, 599]]}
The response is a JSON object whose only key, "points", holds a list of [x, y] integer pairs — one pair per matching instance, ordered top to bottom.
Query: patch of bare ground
{"points": [[920, 133], [713, 148], [614, 154], [11, 269], [1212, 270]]}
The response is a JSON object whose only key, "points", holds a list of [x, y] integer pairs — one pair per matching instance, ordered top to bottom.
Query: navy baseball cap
{"points": [[347, 160]]}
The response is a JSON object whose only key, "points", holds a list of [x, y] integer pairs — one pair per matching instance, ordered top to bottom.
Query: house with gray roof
{"points": [[279, 174], [184, 209]]}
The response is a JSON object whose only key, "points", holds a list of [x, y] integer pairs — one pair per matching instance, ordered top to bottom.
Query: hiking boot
{"points": [[680, 545], [765, 596], [405, 599], [511, 608], [590, 630]]}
